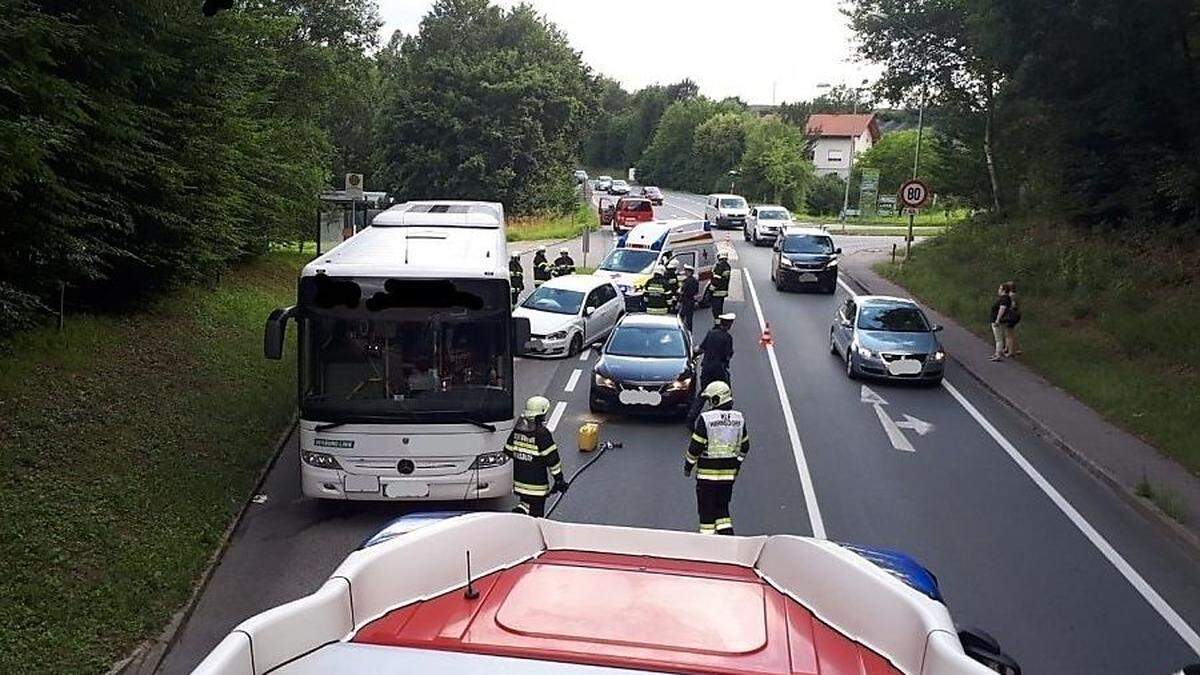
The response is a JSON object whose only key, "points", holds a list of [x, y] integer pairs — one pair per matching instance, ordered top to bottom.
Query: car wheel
{"points": [[746, 234], [754, 238], [832, 344], [576, 345], [850, 373]]}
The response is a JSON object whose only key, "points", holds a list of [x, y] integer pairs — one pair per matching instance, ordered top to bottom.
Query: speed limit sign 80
{"points": [[914, 194]]}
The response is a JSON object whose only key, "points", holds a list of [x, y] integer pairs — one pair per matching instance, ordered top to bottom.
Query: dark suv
{"points": [[805, 257]]}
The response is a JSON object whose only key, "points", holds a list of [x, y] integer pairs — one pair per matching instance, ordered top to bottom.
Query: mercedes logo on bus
{"points": [[405, 467]]}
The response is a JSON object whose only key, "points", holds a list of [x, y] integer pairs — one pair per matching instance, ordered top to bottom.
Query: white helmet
{"points": [[541, 249], [563, 251], [723, 255], [673, 265], [660, 270], [718, 393], [537, 406]]}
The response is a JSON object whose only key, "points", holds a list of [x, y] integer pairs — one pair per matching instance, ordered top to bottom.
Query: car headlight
{"points": [[784, 262], [832, 263], [560, 335], [864, 352], [939, 355], [604, 381], [680, 384], [320, 460], [489, 460]]}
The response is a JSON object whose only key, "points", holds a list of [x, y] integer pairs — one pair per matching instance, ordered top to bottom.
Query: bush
{"points": [[826, 195]]}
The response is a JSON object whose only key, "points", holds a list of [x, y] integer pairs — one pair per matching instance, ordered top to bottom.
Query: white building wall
{"points": [[832, 154]]}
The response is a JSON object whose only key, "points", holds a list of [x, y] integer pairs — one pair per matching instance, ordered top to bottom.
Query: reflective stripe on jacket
{"points": [[719, 445], [534, 454]]}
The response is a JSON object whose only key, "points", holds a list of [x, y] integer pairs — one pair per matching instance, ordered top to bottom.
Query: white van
{"points": [[632, 262]]}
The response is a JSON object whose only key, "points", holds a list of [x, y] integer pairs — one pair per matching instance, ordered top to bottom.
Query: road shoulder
{"points": [[1118, 458]]}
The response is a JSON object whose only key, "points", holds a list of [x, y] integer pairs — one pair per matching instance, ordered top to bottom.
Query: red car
{"points": [[653, 194], [629, 212]]}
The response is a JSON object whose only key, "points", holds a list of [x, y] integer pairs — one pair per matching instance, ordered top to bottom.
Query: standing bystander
{"points": [[997, 318]]}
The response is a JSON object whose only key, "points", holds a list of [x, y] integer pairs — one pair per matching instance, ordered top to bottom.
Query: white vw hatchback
{"points": [[568, 313]]}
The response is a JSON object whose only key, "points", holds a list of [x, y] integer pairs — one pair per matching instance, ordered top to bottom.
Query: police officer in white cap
{"points": [[689, 288], [717, 350]]}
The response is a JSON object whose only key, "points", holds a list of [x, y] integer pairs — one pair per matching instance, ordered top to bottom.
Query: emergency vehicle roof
{"points": [[655, 234], [433, 239], [565, 598]]}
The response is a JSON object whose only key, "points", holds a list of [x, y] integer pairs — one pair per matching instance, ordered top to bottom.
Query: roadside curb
{"points": [[1182, 534], [148, 656]]}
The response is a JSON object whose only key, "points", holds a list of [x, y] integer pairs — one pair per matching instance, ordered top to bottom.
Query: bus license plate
{"points": [[639, 397], [361, 483], [405, 489]]}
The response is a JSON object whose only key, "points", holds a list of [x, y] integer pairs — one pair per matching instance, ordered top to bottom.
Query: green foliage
{"points": [[484, 103], [625, 122], [147, 146], [893, 156], [775, 166], [826, 195], [129, 443]]}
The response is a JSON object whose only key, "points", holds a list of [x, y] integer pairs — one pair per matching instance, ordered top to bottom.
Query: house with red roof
{"points": [[835, 138]]}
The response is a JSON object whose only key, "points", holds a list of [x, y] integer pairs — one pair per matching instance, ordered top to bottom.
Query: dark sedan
{"points": [[805, 257], [645, 366]]}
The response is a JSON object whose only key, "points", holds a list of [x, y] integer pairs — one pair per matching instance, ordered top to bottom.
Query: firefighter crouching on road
{"points": [[564, 264], [541, 267], [516, 277], [720, 284], [657, 298], [532, 448], [718, 448]]}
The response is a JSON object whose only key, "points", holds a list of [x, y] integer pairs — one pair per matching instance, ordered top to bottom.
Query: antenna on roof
{"points": [[471, 593]]}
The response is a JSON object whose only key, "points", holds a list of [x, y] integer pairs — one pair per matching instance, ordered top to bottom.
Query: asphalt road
{"points": [[1088, 587]]}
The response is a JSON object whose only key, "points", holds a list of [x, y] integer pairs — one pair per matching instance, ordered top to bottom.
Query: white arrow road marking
{"points": [[868, 395], [555, 416], [916, 424], [897, 438]]}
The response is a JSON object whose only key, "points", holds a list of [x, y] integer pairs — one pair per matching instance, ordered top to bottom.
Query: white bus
{"points": [[406, 344]]}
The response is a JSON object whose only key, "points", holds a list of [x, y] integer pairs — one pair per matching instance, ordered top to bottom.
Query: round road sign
{"points": [[914, 194]]}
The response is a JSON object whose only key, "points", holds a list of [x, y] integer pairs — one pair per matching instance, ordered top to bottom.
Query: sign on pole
{"points": [[354, 185], [868, 192], [914, 194], [887, 205]]}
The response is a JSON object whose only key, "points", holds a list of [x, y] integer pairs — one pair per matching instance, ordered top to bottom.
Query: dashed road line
{"points": [[583, 355], [573, 380], [555, 416], [806, 483], [1131, 575]]}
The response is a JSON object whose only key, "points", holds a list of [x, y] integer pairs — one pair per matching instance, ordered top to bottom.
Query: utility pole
{"points": [[916, 167]]}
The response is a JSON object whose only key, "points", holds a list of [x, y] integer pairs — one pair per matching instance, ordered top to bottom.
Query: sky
{"points": [[753, 49]]}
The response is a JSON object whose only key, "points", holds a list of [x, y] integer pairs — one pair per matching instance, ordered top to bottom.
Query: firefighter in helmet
{"points": [[542, 271], [722, 272], [516, 277], [658, 298], [718, 447], [534, 455]]}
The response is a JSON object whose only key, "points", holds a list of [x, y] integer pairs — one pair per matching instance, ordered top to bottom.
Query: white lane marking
{"points": [[847, 287], [583, 355], [573, 380], [555, 416], [897, 437], [806, 484], [1131, 575]]}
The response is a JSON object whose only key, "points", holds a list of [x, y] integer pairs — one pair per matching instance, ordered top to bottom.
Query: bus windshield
{"points": [[629, 260], [415, 350]]}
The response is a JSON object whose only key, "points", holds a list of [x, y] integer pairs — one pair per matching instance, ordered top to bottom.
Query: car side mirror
{"points": [[837, 251], [588, 311], [845, 323], [937, 328], [275, 332], [520, 335], [597, 347], [984, 648]]}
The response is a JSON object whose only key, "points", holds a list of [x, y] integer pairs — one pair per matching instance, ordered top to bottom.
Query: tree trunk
{"points": [[987, 148]]}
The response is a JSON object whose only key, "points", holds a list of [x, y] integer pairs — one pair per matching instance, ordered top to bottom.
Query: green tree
{"points": [[485, 103], [719, 144], [893, 156], [669, 159], [775, 166], [825, 196]]}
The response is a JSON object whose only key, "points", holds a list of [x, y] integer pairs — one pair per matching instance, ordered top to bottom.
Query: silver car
{"points": [[764, 224], [886, 337]]}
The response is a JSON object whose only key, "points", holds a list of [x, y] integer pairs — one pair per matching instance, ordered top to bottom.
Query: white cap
{"points": [[541, 249], [562, 250], [723, 255], [673, 264], [689, 268], [727, 316]]}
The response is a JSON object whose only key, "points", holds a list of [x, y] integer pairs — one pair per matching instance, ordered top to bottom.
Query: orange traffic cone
{"points": [[766, 339]]}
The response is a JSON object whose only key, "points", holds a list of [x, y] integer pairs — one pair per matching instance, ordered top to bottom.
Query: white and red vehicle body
{"points": [[552, 597]]}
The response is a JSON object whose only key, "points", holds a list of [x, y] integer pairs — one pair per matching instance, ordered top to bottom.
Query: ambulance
{"points": [[632, 262]]}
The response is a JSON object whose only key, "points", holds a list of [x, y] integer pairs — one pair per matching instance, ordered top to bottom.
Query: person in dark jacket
{"points": [[564, 264], [542, 271], [722, 273], [516, 277], [672, 281], [689, 288], [658, 297], [997, 318], [717, 349], [718, 447], [534, 454]]}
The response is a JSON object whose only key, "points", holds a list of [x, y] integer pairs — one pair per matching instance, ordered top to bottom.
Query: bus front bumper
{"points": [[320, 483]]}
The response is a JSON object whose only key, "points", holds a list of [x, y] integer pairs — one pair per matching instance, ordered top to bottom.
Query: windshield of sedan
{"points": [[733, 203], [772, 214], [807, 243], [629, 260], [555, 300], [893, 319], [652, 342]]}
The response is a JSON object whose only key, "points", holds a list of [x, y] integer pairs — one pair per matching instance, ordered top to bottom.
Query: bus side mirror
{"points": [[275, 332], [520, 335]]}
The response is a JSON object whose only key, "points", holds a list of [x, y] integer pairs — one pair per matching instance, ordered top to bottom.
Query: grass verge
{"points": [[553, 226], [1112, 320], [129, 443]]}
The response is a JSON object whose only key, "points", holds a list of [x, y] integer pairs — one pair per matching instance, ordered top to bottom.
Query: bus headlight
{"points": [[320, 460], [489, 460]]}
